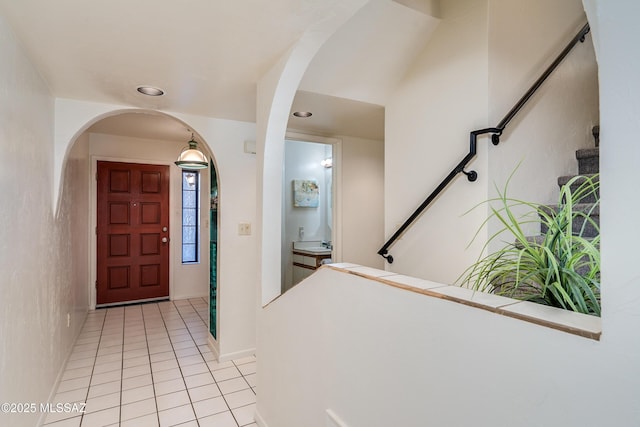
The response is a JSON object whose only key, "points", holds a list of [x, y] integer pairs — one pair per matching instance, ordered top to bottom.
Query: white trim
{"points": [[307, 137], [336, 189], [337, 200], [93, 222], [182, 297], [137, 301], [583, 325], [213, 345], [236, 355], [54, 389], [259, 419], [333, 420]]}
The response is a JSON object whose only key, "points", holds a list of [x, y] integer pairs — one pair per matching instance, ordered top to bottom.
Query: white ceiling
{"points": [[209, 54], [365, 59], [337, 116], [143, 125]]}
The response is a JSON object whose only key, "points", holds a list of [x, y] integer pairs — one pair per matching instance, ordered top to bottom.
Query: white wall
{"points": [[616, 37], [481, 59], [275, 92], [428, 119], [558, 119], [237, 195], [77, 199], [362, 201], [43, 254], [237, 255], [185, 280], [379, 356], [446, 364]]}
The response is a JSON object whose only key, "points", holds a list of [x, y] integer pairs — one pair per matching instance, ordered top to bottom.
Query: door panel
{"points": [[133, 232]]}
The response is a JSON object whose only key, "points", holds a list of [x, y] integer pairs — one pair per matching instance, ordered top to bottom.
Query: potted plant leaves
{"points": [[560, 267]]}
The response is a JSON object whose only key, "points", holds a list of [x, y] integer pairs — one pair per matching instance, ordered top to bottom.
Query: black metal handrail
{"points": [[495, 132]]}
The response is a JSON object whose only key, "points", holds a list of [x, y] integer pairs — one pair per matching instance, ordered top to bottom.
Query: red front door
{"points": [[133, 232]]}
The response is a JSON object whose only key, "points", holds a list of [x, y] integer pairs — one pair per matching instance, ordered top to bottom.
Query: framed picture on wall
{"points": [[305, 193]]}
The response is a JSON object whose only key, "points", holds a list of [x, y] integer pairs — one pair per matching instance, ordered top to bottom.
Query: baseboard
{"points": [[187, 296], [213, 345], [236, 355], [56, 383], [52, 393], [259, 420], [333, 420]]}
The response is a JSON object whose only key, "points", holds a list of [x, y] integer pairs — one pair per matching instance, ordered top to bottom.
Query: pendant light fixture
{"points": [[191, 157]]}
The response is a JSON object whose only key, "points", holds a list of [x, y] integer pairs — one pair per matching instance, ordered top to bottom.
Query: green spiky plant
{"points": [[560, 268]]}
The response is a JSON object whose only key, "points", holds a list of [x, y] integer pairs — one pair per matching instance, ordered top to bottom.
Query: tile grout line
{"points": [[184, 318], [124, 324], [143, 324], [164, 324], [200, 353], [121, 356], [176, 356], [95, 359], [95, 364], [209, 369], [214, 378], [153, 384]]}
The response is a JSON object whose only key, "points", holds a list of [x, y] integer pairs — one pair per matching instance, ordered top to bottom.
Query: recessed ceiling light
{"points": [[150, 90], [302, 114]]}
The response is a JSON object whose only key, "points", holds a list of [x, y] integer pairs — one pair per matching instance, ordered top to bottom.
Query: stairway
{"points": [[588, 166], [566, 250], [561, 266]]}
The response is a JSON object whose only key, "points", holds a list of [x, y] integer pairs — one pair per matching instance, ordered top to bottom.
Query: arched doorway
{"points": [[146, 137], [138, 138]]}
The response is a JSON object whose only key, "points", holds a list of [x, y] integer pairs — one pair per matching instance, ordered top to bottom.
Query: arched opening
{"points": [[135, 137]]}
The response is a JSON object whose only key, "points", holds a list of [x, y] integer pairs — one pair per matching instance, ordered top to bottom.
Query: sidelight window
{"points": [[190, 216]]}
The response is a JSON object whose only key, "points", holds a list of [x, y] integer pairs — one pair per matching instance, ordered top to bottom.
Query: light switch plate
{"points": [[244, 229]]}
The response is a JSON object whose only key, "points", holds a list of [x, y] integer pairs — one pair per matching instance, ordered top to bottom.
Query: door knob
{"points": [[164, 229], [165, 240]]}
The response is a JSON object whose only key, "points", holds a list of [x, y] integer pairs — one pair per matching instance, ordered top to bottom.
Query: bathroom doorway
{"points": [[308, 231]]}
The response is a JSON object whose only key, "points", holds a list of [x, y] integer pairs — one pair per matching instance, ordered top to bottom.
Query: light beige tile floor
{"points": [[149, 365]]}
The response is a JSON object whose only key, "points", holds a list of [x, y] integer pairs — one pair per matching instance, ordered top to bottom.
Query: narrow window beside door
{"points": [[190, 216]]}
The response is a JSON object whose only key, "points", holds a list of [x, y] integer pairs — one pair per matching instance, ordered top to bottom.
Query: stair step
{"points": [[588, 160], [589, 198], [590, 229], [533, 239], [538, 240]]}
